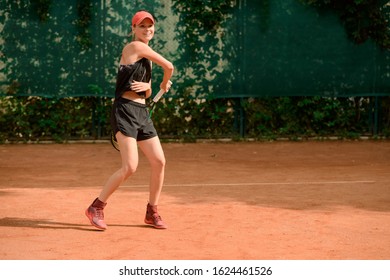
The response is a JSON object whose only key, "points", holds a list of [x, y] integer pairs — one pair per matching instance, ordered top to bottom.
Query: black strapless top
{"points": [[140, 71]]}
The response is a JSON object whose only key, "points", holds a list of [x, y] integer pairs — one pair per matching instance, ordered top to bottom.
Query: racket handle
{"points": [[159, 94]]}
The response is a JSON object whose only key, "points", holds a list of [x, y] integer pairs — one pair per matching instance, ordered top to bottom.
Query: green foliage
{"points": [[362, 19], [202, 37], [310, 117], [188, 118], [37, 119]]}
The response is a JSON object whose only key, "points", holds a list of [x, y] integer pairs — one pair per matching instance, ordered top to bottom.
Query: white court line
{"points": [[257, 184]]}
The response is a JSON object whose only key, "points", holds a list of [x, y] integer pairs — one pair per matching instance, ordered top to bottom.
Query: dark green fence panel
{"points": [[271, 48], [289, 49], [42, 57], [46, 58]]}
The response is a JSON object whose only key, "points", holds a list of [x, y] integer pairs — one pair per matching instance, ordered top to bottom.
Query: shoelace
{"points": [[99, 213], [156, 217]]}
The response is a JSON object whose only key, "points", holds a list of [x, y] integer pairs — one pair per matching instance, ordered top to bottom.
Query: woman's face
{"points": [[144, 31]]}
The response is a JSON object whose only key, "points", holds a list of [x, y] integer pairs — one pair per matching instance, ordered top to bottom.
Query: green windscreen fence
{"points": [[269, 48], [290, 49]]}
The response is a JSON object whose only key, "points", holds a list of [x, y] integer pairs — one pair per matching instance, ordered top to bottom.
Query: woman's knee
{"points": [[159, 162], [128, 170]]}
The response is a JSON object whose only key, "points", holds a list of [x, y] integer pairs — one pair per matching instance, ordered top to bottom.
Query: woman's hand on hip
{"points": [[139, 86]]}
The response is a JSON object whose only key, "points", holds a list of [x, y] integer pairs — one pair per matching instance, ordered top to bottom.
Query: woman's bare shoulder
{"points": [[136, 45]]}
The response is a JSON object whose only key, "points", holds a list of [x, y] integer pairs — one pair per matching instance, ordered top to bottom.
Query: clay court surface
{"points": [[250, 200]]}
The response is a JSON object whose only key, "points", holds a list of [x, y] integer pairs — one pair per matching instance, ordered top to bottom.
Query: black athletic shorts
{"points": [[132, 119]]}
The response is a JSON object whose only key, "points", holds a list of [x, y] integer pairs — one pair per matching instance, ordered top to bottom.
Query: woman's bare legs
{"points": [[129, 154], [155, 155]]}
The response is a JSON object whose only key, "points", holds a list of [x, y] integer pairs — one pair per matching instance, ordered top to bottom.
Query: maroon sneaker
{"points": [[95, 214], [153, 218]]}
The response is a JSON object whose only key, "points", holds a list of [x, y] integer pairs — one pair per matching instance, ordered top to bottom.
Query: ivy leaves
{"points": [[201, 38]]}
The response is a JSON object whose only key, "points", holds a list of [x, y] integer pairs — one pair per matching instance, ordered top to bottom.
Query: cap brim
{"points": [[143, 18]]}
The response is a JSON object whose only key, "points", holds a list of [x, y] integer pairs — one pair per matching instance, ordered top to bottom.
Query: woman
{"points": [[131, 123]]}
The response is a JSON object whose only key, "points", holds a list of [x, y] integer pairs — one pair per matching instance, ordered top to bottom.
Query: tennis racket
{"points": [[155, 99], [114, 142]]}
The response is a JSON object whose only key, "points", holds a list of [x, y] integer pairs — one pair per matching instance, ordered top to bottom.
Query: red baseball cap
{"points": [[140, 16]]}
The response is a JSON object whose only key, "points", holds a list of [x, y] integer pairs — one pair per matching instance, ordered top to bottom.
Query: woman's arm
{"points": [[141, 86]]}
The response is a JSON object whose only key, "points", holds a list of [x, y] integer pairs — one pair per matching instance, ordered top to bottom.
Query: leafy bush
{"points": [[307, 117], [36, 118], [186, 118]]}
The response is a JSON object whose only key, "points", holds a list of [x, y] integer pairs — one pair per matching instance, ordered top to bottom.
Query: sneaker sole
{"points": [[91, 221], [155, 226]]}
